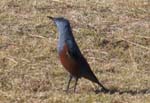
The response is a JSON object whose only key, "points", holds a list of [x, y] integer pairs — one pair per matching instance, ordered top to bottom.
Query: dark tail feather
{"points": [[87, 73], [90, 76]]}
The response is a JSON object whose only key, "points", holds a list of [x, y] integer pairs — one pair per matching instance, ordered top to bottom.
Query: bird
{"points": [[70, 55]]}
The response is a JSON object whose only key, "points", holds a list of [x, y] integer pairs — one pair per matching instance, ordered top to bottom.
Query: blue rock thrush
{"points": [[70, 55]]}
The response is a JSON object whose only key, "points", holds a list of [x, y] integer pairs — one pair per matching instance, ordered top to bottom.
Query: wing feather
{"points": [[73, 50]]}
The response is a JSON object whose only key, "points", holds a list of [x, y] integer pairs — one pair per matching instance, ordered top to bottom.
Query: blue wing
{"points": [[73, 51]]}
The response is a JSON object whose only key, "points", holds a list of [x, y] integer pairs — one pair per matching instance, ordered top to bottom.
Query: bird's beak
{"points": [[52, 18]]}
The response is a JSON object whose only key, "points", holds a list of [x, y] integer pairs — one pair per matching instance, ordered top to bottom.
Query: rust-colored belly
{"points": [[70, 64]]}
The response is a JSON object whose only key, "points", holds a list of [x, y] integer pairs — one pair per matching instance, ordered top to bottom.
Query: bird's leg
{"points": [[69, 80], [76, 81]]}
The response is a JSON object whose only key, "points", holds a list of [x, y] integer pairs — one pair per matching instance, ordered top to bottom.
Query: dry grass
{"points": [[114, 36]]}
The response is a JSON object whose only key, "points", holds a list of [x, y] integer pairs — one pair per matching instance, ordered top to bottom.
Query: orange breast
{"points": [[70, 64]]}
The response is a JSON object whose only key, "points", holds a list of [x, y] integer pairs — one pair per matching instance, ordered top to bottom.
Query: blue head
{"points": [[62, 24], [64, 29]]}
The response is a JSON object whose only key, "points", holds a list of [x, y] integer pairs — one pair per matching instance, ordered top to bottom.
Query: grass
{"points": [[113, 35]]}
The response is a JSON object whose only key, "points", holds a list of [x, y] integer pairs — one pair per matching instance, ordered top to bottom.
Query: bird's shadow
{"points": [[132, 92]]}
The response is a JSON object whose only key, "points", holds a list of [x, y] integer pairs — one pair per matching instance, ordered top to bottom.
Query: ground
{"points": [[113, 35]]}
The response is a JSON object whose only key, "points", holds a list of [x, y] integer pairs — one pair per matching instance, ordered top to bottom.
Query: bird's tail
{"points": [[87, 73], [90, 76]]}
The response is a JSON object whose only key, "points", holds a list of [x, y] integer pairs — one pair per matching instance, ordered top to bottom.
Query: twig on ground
{"points": [[136, 44]]}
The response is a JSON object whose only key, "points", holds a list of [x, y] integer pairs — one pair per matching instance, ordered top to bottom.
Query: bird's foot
{"points": [[67, 91]]}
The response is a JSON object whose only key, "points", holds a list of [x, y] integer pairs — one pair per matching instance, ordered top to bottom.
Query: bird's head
{"points": [[60, 22]]}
